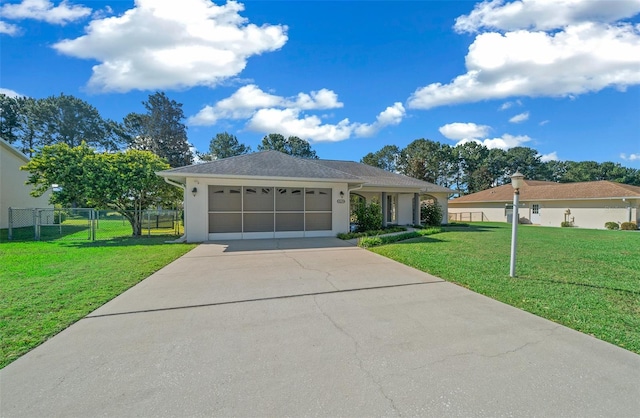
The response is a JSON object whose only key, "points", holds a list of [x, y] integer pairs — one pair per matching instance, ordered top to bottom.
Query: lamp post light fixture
{"points": [[516, 182], [194, 191]]}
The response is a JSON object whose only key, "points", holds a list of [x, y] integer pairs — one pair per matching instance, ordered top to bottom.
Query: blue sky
{"points": [[562, 76]]}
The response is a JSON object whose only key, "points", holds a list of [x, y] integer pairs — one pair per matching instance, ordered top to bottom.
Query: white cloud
{"points": [[44, 10], [543, 14], [9, 29], [164, 44], [542, 48], [10, 93], [248, 99], [267, 113], [392, 115], [521, 117], [289, 122], [544, 122], [460, 131], [471, 132], [504, 142], [552, 156], [630, 157]]}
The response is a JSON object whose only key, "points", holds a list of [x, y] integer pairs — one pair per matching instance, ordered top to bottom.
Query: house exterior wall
{"points": [[13, 190], [404, 203], [197, 209], [593, 213]]}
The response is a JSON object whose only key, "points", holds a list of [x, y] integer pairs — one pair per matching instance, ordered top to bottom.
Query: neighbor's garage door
{"points": [[269, 209]]}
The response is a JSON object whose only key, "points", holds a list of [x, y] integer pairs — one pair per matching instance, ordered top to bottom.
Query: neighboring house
{"points": [[13, 190], [270, 194], [586, 205]]}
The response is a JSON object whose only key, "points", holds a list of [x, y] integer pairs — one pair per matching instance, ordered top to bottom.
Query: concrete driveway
{"points": [[314, 327]]}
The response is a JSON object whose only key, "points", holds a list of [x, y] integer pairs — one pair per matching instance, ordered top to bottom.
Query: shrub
{"points": [[431, 213], [59, 217], [368, 217], [566, 224], [612, 225], [628, 226], [352, 235], [375, 241]]}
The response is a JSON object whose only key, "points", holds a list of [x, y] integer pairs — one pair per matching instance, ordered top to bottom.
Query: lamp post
{"points": [[516, 182]]}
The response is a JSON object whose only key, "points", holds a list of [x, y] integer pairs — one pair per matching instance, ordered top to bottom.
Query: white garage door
{"points": [[246, 210]]}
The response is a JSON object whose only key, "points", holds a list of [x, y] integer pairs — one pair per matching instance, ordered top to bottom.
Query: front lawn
{"points": [[588, 280], [47, 286]]}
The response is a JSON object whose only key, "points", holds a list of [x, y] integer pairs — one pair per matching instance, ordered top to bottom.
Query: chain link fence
{"points": [[89, 224]]}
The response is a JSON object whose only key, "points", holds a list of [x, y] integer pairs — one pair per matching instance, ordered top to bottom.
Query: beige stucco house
{"points": [[13, 190], [274, 195], [587, 204]]}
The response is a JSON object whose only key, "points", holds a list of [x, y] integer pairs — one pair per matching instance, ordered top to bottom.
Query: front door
{"points": [[535, 213]]}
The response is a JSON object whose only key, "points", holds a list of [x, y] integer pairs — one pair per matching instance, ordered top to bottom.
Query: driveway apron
{"points": [[314, 327]]}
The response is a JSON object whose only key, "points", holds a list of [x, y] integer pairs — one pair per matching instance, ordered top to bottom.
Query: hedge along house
{"points": [[269, 194], [586, 204]]}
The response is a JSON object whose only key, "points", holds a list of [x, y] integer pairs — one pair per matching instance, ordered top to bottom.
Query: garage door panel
{"points": [[225, 199], [258, 199], [289, 199], [318, 199], [318, 221], [225, 222], [258, 222], [289, 222]]}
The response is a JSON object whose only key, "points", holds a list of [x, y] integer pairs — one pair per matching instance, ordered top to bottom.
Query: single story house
{"points": [[14, 193], [269, 194], [587, 204]]}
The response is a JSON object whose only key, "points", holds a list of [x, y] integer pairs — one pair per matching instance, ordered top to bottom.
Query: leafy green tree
{"points": [[9, 118], [69, 120], [160, 130], [225, 145], [293, 146], [386, 158], [524, 159], [429, 161], [62, 165], [553, 170], [581, 171], [123, 181]]}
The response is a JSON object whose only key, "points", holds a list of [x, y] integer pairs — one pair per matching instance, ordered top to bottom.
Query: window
{"points": [[535, 209]]}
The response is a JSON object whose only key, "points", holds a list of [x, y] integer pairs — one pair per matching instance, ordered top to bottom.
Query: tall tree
{"points": [[9, 118], [69, 120], [160, 130], [225, 145], [293, 146], [386, 158], [524, 159], [429, 161], [124, 181]]}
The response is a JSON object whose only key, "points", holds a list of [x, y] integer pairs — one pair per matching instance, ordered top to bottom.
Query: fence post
{"points": [[148, 223], [36, 227], [10, 233]]}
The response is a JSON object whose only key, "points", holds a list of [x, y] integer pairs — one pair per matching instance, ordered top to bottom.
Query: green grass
{"points": [[588, 280], [47, 286]]}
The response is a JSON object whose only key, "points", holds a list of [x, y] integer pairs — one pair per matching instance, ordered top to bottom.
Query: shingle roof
{"points": [[263, 164], [274, 164], [374, 176], [545, 190]]}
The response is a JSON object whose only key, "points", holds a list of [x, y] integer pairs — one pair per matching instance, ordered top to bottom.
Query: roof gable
{"points": [[544, 190]]}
